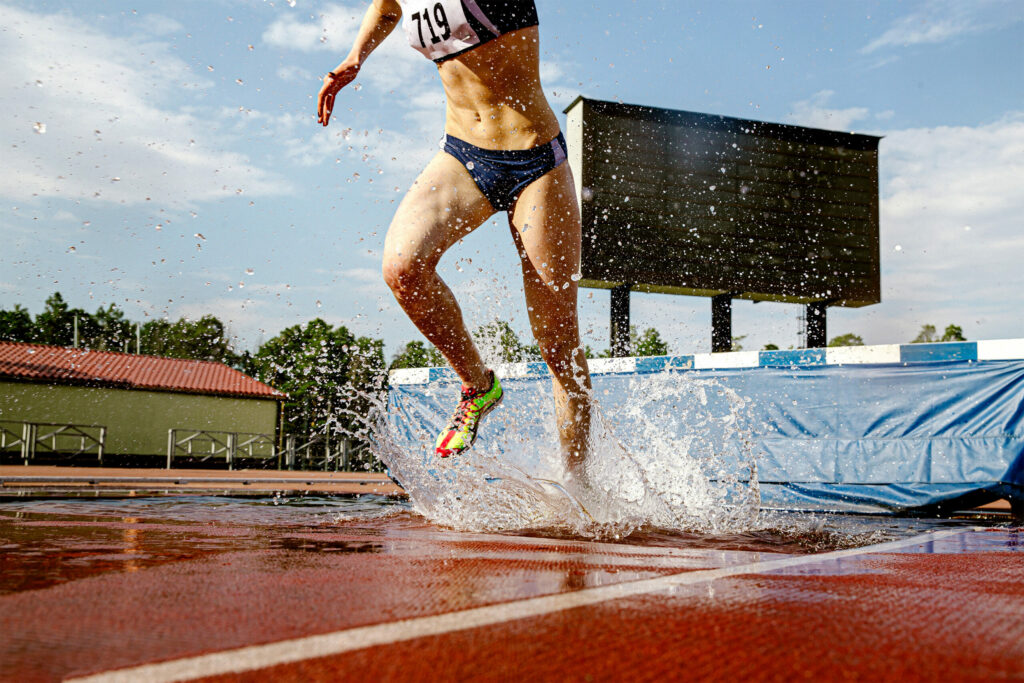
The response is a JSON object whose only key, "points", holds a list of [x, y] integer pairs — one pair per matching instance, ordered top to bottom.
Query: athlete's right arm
{"points": [[378, 23]]}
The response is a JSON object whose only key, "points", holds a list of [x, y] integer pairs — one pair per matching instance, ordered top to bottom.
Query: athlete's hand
{"points": [[334, 81]]}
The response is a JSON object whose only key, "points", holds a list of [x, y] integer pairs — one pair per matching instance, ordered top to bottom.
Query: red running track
{"points": [[397, 599]]}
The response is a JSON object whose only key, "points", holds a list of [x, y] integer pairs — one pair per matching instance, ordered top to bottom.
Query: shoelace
{"points": [[466, 409]]}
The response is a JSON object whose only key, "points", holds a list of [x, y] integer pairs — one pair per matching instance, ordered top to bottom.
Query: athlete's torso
{"points": [[491, 76]]}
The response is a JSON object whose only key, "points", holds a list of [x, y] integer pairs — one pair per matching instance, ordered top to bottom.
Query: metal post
{"points": [[721, 323], [816, 325], [620, 345], [232, 439], [28, 441], [103, 441], [170, 447], [289, 453], [346, 454]]}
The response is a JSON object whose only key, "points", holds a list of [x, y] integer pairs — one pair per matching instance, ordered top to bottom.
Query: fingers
{"points": [[325, 103], [328, 107]]}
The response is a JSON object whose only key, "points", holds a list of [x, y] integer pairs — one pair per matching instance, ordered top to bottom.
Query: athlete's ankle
{"points": [[483, 383]]}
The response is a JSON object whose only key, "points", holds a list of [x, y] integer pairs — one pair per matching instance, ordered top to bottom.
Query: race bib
{"points": [[437, 28]]}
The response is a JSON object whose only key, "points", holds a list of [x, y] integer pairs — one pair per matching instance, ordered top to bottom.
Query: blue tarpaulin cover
{"points": [[859, 437]]}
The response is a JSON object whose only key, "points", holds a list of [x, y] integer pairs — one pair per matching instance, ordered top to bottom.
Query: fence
{"points": [[70, 440], [204, 445], [320, 451]]}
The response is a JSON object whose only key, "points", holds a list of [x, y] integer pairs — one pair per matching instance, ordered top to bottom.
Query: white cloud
{"points": [[941, 20], [393, 63], [814, 113], [115, 130]]}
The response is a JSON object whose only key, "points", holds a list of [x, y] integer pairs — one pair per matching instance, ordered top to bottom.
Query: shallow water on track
{"points": [[47, 542]]}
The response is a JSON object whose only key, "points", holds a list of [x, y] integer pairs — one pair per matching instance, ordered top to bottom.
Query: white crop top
{"points": [[442, 29]]}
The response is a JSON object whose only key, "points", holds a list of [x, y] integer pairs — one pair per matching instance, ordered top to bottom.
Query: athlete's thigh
{"points": [[442, 206], [545, 223]]}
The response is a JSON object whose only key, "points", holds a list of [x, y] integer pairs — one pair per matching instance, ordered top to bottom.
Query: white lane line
{"points": [[299, 649]]}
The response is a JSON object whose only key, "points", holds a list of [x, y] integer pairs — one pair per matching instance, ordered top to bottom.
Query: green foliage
{"points": [[16, 325], [113, 331], [953, 333], [929, 334], [925, 336], [499, 337], [203, 339], [848, 339], [737, 342], [648, 343], [770, 347], [416, 354], [332, 378]]}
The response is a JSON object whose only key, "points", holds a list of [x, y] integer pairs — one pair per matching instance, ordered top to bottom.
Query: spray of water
{"points": [[673, 453]]}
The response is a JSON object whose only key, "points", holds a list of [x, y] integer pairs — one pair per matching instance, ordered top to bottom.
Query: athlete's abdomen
{"points": [[495, 99]]}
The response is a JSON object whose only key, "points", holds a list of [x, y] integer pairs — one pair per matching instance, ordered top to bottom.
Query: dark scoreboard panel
{"points": [[687, 203]]}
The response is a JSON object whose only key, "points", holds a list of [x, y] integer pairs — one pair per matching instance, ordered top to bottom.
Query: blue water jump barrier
{"points": [[912, 427]]}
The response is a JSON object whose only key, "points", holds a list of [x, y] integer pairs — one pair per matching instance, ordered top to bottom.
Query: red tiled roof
{"points": [[59, 365]]}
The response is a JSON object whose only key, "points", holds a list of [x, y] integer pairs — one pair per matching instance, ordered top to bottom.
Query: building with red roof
{"points": [[113, 404]]}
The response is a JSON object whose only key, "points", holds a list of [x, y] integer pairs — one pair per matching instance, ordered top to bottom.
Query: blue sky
{"points": [[165, 156]]}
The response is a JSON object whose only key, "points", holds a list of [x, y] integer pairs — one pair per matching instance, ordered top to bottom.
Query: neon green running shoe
{"points": [[460, 432]]}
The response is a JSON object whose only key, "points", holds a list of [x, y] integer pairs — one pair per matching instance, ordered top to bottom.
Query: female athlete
{"points": [[502, 151]]}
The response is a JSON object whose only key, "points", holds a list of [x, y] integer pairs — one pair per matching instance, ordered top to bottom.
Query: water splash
{"points": [[668, 451]]}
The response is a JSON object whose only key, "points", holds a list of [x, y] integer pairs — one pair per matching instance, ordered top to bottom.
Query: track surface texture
{"points": [[394, 598]]}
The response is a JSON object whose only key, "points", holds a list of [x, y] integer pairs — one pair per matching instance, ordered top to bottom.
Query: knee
{"points": [[405, 275]]}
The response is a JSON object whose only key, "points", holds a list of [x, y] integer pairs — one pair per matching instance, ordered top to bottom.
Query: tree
{"points": [[56, 324], [16, 325], [113, 330], [953, 333], [928, 334], [925, 336], [203, 339], [498, 339], [848, 339], [736, 342], [649, 343], [770, 347], [415, 354], [333, 379]]}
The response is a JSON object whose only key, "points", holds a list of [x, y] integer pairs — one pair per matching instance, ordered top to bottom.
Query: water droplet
{"points": [[239, 81], [357, 86], [39, 127], [470, 165], [200, 235], [897, 248], [71, 250], [249, 271], [576, 277], [318, 304]]}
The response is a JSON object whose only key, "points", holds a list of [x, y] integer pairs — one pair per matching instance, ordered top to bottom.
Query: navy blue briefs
{"points": [[502, 174]]}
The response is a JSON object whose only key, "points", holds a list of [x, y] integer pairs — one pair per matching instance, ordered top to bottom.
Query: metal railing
{"points": [[34, 438], [203, 445], [318, 451]]}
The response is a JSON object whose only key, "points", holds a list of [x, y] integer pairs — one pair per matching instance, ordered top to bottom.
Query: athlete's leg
{"points": [[443, 205], [545, 224]]}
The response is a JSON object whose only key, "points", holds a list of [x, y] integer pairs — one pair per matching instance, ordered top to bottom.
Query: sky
{"points": [[165, 157]]}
